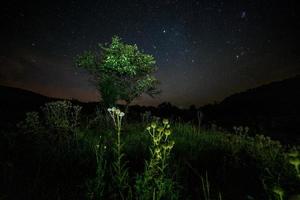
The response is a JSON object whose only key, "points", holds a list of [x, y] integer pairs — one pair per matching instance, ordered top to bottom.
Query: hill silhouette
{"points": [[276, 98], [14, 103], [273, 107]]}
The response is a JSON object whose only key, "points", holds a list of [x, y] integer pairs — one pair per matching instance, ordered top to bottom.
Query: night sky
{"points": [[205, 50]]}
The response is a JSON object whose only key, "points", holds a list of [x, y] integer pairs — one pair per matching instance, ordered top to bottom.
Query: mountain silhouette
{"points": [[14, 103], [273, 108]]}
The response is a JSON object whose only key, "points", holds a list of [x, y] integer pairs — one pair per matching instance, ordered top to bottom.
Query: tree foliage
{"points": [[121, 71]]}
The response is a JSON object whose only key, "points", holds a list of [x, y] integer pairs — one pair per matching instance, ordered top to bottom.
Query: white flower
{"points": [[121, 114], [165, 121]]}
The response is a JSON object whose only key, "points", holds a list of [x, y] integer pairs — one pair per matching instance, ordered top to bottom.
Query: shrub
{"points": [[62, 115]]}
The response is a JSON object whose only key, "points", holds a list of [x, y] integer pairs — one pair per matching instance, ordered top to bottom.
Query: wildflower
{"points": [[109, 109], [118, 111], [121, 114], [165, 121], [153, 125], [148, 128], [160, 129], [246, 129], [167, 133], [155, 141], [172, 143], [97, 146], [165, 146], [169, 146], [157, 151], [293, 154], [158, 156], [295, 162], [279, 191]]}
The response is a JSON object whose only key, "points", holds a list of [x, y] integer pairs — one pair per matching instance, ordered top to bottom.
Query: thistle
{"points": [[295, 161], [119, 167], [154, 184], [279, 192]]}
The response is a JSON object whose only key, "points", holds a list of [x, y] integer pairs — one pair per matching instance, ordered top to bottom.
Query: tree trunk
{"points": [[126, 108], [126, 112]]}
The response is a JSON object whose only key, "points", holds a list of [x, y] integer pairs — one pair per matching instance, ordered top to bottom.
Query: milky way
{"points": [[205, 50]]}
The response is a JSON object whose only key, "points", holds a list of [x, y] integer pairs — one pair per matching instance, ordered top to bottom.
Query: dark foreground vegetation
{"points": [[58, 152]]}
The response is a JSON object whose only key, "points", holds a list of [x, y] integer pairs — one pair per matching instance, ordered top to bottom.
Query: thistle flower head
{"points": [[121, 114], [165, 121], [153, 125], [160, 129], [167, 132], [155, 141], [172, 143], [169, 146], [157, 151], [293, 154], [294, 161], [278, 190]]}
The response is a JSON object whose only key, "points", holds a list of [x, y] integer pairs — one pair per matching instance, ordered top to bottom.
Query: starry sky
{"points": [[205, 50]]}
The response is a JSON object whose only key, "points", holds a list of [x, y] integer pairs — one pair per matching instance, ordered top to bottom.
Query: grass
{"points": [[68, 161]]}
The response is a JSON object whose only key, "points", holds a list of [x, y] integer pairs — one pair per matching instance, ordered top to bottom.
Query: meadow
{"points": [[57, 152]]}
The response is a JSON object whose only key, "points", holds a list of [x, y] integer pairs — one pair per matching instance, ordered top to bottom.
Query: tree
{"points": [[121, 71]]}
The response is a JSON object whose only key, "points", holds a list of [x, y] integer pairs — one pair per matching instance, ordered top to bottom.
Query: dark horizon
{"points": [[205, 51], [295, 77]]}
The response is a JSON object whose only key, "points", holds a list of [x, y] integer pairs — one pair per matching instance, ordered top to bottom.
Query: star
{"points": [[243, 15]]}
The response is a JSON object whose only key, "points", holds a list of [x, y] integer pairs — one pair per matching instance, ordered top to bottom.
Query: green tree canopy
{"points": [[121, 71]]}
